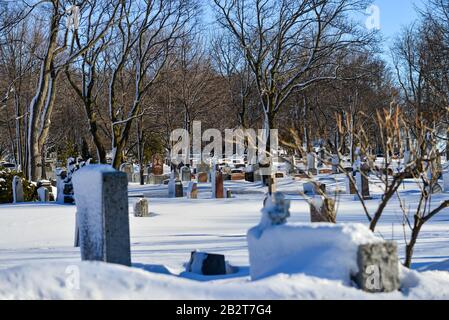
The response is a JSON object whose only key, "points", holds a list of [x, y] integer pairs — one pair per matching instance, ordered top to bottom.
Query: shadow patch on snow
{"points": [[154, 268], [235, 272]]}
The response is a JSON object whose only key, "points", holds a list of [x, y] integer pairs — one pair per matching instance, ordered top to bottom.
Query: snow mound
{"points": [[321, 250], [97, 280]]}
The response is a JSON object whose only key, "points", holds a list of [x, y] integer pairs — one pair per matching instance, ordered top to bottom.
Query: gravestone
{"points": [[311, 164], [335, 164], [157, 165], [202, 167], [128, 168], [186, 175], [237, 175], [279, 175], [249, 176], [60, 177], [136, 177], [203, 177], [157, 180], [446, 181], [47, 185], [363, 185], [172, 186], [219, 186], [350, 186], [314, 188], [179, 189], [17, 190], [192, 190], [43, 194], [101, 195], [141, 208], [276, 209], [322, 210], [207, 264], [378, 266]]}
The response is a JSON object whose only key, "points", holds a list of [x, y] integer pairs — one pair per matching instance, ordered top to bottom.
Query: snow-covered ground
{"points": [[37, 254]]}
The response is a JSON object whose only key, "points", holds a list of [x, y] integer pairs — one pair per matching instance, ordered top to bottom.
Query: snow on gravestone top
{"points": [[93, 216], [322, 250]]}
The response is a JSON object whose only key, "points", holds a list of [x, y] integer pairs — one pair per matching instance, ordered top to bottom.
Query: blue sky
{"points": [[394, 14]]}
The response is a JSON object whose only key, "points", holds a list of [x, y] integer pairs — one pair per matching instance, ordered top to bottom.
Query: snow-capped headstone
{"points": [[17, 190], [43, 194], [101, 195], [141, 208], [276, 210], [322, 210], [322, 250], [207, 264], [378, 266]]}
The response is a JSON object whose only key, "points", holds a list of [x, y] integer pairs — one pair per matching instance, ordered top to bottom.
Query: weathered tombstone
{"points": [[311, 164], [157, 165], [202, 167], [128, 168], [186, 175], [202, 177], [157, 180], [46, 184], [172, 186], [219, 186], [314, 188], [179, 189], [17, 190], [192, 190], [43, 194], [101, 195], [141, 208], [322, 210], [207, 264], [378, 266]]}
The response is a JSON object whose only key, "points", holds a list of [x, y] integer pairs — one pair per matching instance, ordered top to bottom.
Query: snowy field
{"points": [[37, 254]]}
